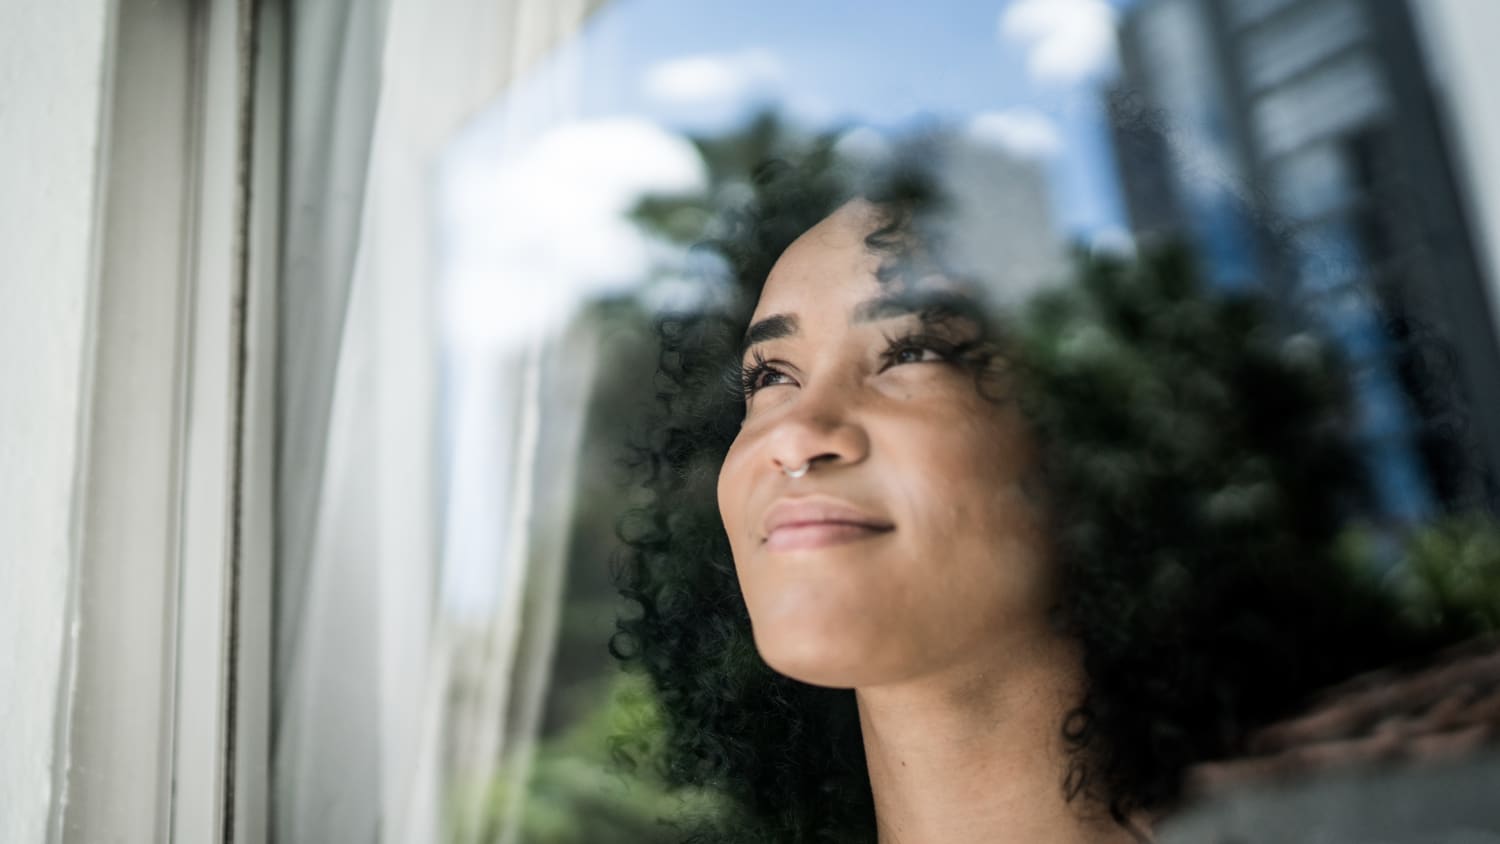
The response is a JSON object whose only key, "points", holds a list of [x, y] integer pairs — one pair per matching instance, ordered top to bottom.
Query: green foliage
{"points": [[1154, 392], [1200, 474], [1451, 579], [597, 783]]}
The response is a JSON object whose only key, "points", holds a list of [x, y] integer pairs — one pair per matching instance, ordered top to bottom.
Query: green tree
{"points": [[1451, 580]]}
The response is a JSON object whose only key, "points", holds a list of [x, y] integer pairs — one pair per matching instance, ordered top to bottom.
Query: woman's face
{"points": [[908, 547]]}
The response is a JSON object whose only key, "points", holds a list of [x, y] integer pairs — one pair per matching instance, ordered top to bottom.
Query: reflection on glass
{"points": [[1277, 148]]}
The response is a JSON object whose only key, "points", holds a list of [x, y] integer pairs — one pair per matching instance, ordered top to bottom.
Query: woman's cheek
{"points": [[729, 492]]}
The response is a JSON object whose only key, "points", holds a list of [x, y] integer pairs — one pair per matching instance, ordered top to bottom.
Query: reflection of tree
{"points": [[730, 160], [1111, 341], [620, 399], [1452, 579], [575, 792], [578, 794]]}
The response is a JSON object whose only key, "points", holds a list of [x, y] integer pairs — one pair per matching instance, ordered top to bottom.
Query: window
{"points": [[356, 334]]}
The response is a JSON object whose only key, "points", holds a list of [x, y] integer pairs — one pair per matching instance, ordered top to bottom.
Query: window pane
{"points": [[1194, 284]]}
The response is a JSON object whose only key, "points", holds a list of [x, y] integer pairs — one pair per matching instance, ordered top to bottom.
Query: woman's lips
{"points": [[817, 522], [819, 535]]}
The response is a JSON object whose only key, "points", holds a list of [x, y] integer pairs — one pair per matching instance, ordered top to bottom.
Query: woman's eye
{"points": [[916, 350], [915, 354], [759, 375], [770, 378]]}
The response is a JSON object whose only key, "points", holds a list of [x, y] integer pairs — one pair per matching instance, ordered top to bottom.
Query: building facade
{"points": [[1295, 145]]}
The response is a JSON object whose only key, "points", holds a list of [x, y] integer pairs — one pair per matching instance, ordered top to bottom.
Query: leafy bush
{"points": [[1451, 579]]}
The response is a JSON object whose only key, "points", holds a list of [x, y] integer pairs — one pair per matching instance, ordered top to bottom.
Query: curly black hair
{"points": [[1196, 473]]}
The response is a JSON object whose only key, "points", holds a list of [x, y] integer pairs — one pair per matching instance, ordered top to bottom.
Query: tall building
{"points": [[1458, 39], [1295, 145], [1002, 218]]}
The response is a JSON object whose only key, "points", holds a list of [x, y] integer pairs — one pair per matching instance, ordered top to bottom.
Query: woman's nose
{"points": [[821, 429]]}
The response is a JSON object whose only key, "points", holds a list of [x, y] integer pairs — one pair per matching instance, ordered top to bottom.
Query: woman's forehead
{"points": [[831, 263], [834, 270]]}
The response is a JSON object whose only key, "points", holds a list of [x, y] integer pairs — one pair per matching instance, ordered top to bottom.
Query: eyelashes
{"points": [[899, 346], [902, 349], [754, 373]]}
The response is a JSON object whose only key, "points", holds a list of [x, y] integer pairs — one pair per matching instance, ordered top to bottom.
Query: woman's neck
{"points": [[975, 753]]}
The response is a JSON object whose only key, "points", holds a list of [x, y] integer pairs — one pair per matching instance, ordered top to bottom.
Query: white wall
{"points": [[51, 72]]}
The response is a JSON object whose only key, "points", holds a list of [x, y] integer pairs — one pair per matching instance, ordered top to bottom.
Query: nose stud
{"points": [[799, 471]]}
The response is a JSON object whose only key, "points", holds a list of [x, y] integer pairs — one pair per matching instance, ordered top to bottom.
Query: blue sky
{"points": [[882, 63], [535, 189]]}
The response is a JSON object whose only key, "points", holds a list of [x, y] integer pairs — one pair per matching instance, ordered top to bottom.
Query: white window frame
{"points": [[162, 728]]}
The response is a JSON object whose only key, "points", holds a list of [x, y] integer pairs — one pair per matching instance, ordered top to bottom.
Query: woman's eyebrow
{"points": [[773, 327]]}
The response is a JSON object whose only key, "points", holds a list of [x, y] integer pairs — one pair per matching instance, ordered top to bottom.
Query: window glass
{"points": [[1254, 11], [1294, 42], [1343, 95], [1314, 181], [1231, 280]]}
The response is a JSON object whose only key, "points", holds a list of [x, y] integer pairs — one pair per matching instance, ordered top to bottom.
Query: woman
{"points": [[920, 568]]}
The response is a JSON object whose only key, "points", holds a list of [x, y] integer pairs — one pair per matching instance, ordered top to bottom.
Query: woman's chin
{"points": [[820, 662]]}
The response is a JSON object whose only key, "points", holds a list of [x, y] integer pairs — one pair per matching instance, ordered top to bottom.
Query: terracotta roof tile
{"points": [[1443, 709]]}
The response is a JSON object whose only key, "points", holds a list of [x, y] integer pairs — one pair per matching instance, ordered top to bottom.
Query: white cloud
{"points": [[1067, 41], [714, 79], [1022, 132], [863, 144], [535, 232], [1114, 241]]}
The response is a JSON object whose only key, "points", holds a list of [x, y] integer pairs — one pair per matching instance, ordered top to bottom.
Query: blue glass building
{"points": [[1294, 144]]}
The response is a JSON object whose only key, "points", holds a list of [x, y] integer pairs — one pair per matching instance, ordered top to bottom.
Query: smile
{"points": [[818, 522], [796, 537]]}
